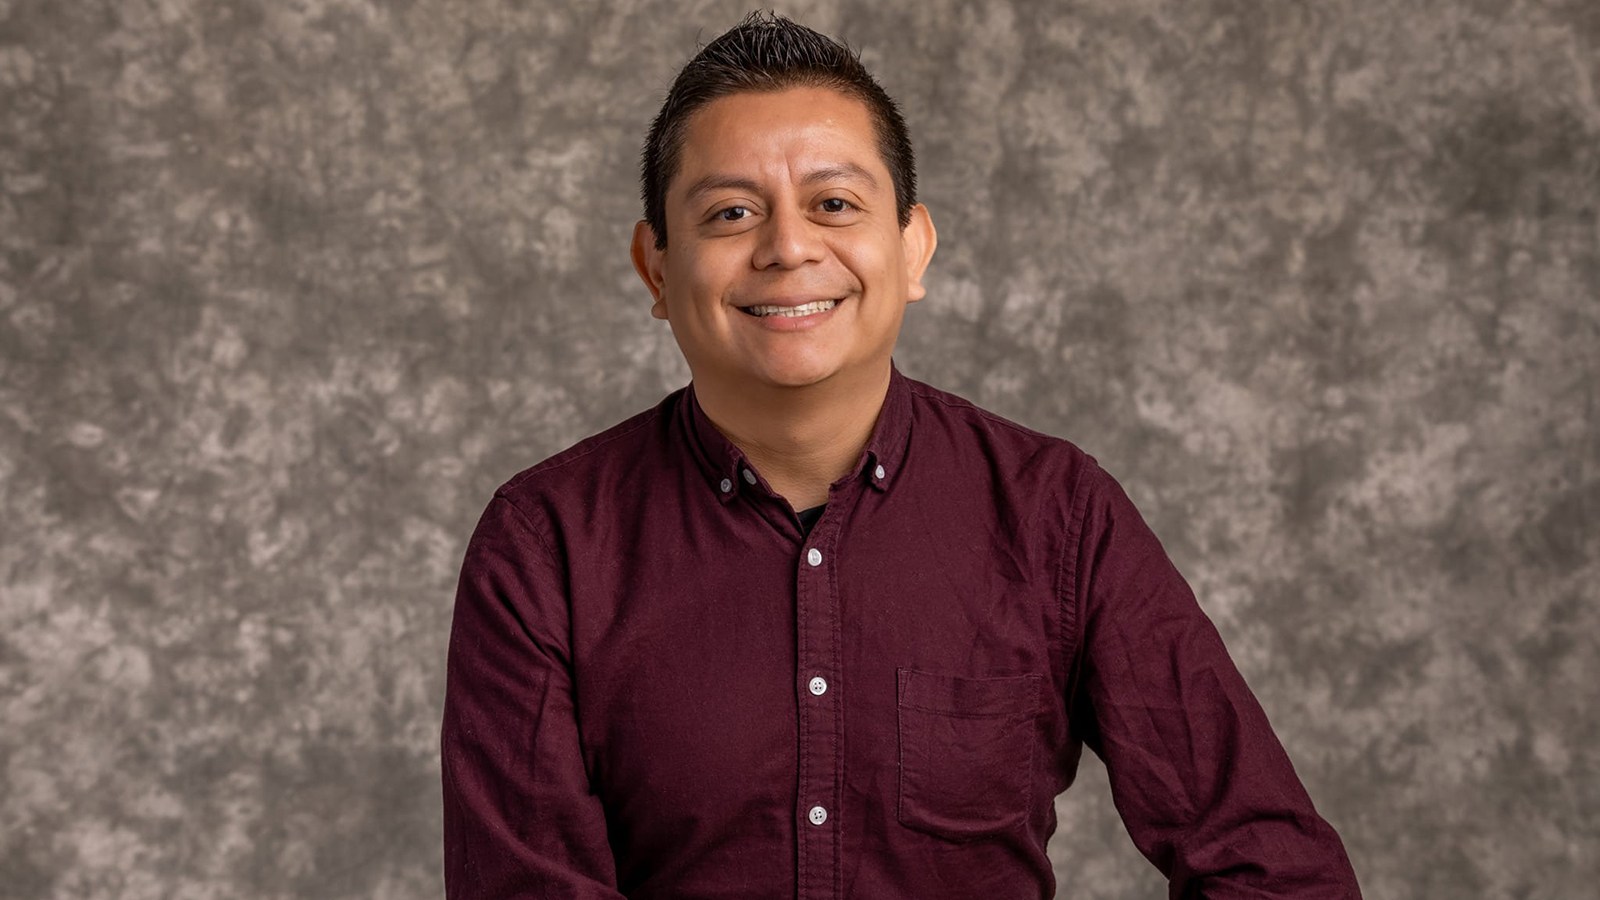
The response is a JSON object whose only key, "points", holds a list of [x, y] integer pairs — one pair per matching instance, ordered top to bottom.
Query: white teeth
{"points": [[790, 312]]}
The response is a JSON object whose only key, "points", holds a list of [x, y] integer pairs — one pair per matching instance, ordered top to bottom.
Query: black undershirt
{"points": [[809, 517]]}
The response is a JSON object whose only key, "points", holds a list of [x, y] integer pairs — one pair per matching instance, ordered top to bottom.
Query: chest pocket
{"points": [[966, 752]]}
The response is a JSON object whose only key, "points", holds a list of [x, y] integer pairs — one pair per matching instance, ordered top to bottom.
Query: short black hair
{"points": [[768, 54]]}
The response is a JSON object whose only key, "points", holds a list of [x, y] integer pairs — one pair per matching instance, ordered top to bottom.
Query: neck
{"points": [[801, 439]]}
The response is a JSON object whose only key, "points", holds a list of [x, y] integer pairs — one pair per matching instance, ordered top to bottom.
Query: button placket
{"points": [[821, 722]]}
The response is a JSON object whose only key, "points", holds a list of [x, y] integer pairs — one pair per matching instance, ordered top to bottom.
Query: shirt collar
{"points": [[728, 471]]}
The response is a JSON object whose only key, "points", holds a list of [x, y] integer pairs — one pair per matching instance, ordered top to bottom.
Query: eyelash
{"points": [[718, 214]]}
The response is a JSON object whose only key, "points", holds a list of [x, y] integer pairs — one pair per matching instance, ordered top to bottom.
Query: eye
{"points": [[842, 204], [720, 214]]}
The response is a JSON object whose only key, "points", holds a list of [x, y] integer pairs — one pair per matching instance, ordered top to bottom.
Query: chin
{"points": [[797, 373]]}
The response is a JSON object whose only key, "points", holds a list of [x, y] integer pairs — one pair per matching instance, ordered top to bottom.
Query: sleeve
{"points": [[1201, 782], [520, 819]]}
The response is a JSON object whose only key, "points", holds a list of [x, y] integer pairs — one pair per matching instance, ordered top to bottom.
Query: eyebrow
{"points": [[841, 171]]}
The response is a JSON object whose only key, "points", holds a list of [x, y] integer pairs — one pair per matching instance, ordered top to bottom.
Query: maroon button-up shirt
{"points": [[660, 687]]}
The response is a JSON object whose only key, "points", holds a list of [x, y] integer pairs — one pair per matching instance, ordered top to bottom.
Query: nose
{"points": [[788, 239]]}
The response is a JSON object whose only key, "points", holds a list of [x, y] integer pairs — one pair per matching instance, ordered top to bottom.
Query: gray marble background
{"points": [[287, 288]]}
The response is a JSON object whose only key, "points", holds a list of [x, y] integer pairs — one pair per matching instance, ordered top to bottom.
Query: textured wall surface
{"points": [[287, 288]]}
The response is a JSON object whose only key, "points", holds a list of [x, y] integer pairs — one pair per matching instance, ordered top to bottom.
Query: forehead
{"points": [[752, 134]]}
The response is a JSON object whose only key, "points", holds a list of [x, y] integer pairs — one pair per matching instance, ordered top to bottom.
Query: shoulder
{"points": [[1004, 442], [600, 458]]}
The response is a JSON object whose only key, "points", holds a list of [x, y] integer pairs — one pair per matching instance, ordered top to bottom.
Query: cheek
{"points": [[877, 265], [702, 269], [699, 297]]}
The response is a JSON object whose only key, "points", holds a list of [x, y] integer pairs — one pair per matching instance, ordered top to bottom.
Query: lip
{"points": [[793, 323]]}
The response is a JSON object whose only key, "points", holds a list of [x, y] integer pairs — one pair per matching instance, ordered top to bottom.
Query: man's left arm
{"points": [[1199, 778]]}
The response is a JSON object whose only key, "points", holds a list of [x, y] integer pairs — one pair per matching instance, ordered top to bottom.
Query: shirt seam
{"points": [[533, 527], [558, 567], [1069, 597]]}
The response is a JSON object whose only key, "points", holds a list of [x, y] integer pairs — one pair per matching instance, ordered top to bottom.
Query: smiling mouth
{"points": [[791, 312]]}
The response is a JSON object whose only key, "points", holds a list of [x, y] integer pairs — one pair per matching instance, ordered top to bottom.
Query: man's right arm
{"points": [[520, 820]]}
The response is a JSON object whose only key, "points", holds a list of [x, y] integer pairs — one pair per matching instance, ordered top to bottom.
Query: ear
{"points": [[918, 241], [650, 263]]}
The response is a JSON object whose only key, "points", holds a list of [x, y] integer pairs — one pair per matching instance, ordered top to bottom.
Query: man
{"points": [[810, 628]]}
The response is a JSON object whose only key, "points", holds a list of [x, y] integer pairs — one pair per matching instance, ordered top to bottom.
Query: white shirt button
{"points": [[878, 472], [749, 477], [727, 485], [814, 556], [818, 685], [818, 815]]}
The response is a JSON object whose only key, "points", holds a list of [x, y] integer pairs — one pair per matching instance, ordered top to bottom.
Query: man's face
{"points": [[782, 198]]}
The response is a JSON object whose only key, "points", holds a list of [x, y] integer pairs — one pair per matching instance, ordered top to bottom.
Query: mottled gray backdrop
{"points": [[287, 288]]}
